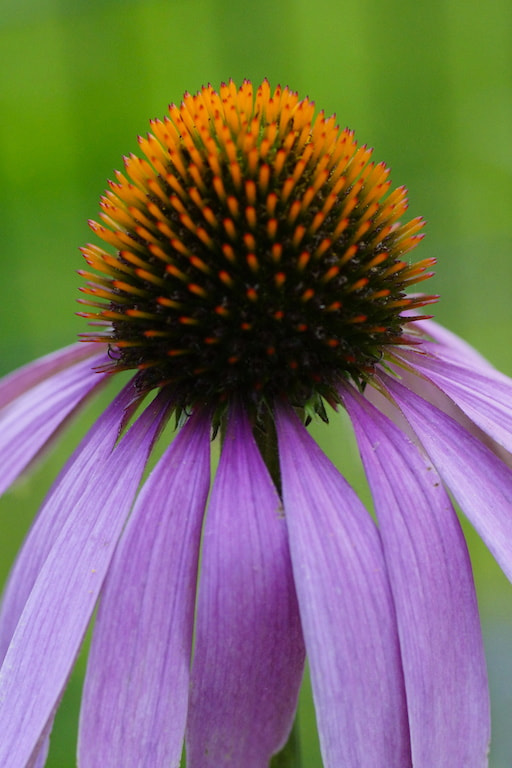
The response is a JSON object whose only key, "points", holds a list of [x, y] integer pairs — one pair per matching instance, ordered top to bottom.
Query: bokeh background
{"points": [[428, 85]]}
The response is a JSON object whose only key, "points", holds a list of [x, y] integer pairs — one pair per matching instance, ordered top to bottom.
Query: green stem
{"points": [[266, 438]]}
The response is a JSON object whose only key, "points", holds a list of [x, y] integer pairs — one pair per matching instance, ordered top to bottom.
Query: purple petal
{"points": [[450, 346], [19, 381], [485, 396], [29, 421], [74, 481], [480, 482], [433, 590], [347, 610], [54, 620], [249, 652], [136, 690]]}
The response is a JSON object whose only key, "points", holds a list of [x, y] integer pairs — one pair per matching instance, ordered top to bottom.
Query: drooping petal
{"points": [[450, 346], [19, 381], [486, 397], [29, 421], [480, 482], [73, 483], [433, 590], [346, 607], [53, 623], [249, 651], [135, 698]]}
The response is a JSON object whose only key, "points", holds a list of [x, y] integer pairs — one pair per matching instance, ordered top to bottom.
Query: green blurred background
{"points": [[428, 85]]}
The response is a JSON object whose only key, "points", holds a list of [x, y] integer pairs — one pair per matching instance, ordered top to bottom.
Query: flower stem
{"points": [[266, 438]]}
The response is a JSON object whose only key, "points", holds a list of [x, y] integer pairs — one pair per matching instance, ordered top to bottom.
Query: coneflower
{"points": [[253, 276]]}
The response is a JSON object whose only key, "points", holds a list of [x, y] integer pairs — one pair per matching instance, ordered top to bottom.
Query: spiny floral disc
{"points": [[258, 252]]}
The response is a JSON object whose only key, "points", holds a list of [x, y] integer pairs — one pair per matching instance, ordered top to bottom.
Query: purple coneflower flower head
{"points": [[252, 277]]}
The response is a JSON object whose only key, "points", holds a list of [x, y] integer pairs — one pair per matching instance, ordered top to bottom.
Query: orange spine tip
{"points": [[252, 160], [177, 161], [279, 161], [213, 162], [298, 170], [236, 174], [196, 175], [264, 177], [176, 186], [287, 189], [250, 191], [195, 196], [307, 198], [272, 201], [177, 205], [233, 206], [293, 212], [209, 216], [251, 217], [188, 222], [317, 222], [272, 225], [230, 228], [340, 228], [165, 229], [362, 230], [298, 235], [205, 238], [249, 241], [178, 246], [323, 247], [228, 252], [276, 252], [159, 253], [349, 254], [132, 258], [378, 259], [303, 260], [253, 262], [200, 264], [173, 270], [331, 273], [149, 277], [226, 278], [358, 285], [127, 288], [198, 290], [98, 293], [380, 294], [139, 314], [186, 320], [154, 334], [125, 344]]}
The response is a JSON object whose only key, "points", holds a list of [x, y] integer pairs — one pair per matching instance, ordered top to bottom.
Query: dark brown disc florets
{"points": [[258, 253]]}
